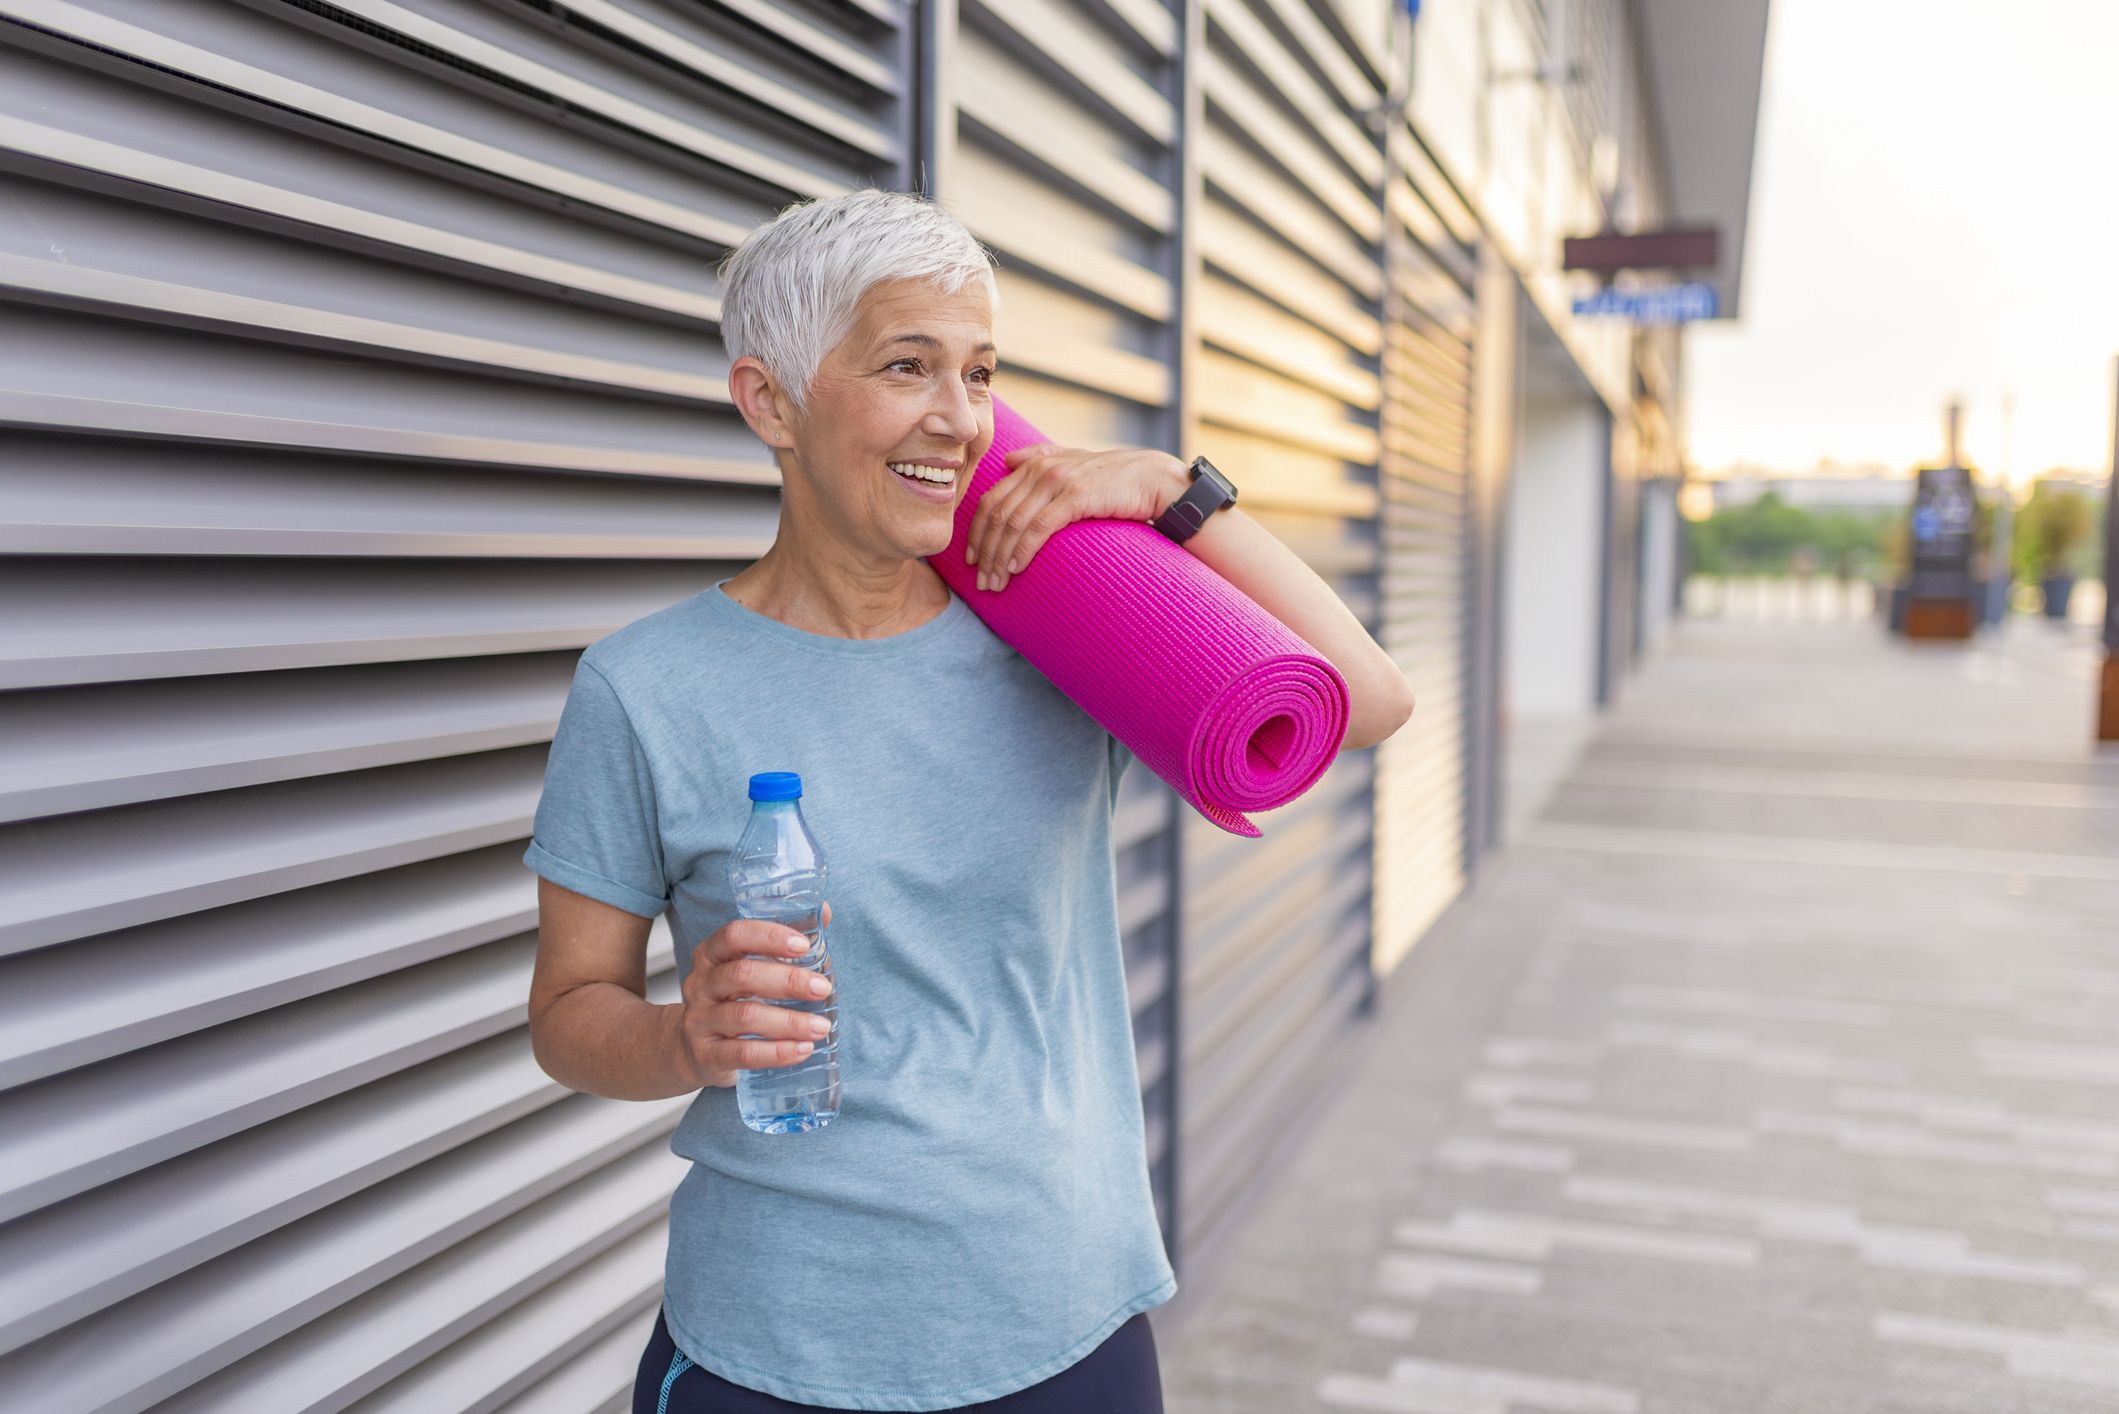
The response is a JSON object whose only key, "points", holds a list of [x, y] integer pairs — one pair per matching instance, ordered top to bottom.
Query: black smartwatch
{"points": [[1208, 493]]}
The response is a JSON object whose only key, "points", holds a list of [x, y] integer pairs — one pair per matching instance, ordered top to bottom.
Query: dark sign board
{"points": [[1673, 248], [1945, 517]]}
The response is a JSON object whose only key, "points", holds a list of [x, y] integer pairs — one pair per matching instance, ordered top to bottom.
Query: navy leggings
{"points": [[1118, 1377]]}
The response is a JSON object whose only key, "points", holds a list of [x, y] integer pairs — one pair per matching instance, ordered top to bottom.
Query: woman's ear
{"points": [[757, 396]]}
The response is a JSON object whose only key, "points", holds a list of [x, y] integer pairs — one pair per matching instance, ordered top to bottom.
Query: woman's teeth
{"points": [[935, 474]]}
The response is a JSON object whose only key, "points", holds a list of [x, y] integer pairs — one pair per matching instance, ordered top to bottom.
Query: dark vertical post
{"points": [[932, 151], [1188, 184], [1494, 382], [1608, 557], [2108, 705]]}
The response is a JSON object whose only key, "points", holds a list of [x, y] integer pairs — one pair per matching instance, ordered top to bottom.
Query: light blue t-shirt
{"points": [[978, 1217]]}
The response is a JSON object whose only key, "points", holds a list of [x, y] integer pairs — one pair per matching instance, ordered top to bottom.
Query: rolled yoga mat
{"points": [[1211, 692]]}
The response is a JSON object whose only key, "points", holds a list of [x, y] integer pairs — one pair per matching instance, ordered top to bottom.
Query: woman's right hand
{"points": [[728, 971]]}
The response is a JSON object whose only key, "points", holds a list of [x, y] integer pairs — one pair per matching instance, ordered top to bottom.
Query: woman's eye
{"points": [[989, 372]]}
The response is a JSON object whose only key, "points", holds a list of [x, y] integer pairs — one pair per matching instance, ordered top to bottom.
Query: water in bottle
{"points": [[777, 873]]}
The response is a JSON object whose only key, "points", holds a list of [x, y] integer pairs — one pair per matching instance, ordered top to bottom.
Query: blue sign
{"points": [[1674, 304]]}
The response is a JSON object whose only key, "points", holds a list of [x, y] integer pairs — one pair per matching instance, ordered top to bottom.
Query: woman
{"points": [[975, 1228]]}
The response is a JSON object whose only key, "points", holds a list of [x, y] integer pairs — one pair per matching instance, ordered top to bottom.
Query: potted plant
{"points": [[2051, 532]]}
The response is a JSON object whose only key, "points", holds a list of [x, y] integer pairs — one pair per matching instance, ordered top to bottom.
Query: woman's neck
{"points": [[836, 602]]}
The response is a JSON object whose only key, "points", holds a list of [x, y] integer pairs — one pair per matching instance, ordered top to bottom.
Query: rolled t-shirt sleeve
{"points": [[595, 830]]}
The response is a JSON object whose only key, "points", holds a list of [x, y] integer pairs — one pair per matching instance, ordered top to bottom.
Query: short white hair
{"points": [[791, 291]]}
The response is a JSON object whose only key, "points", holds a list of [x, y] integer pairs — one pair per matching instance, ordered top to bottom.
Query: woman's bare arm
{"points": [[592, 1027]]}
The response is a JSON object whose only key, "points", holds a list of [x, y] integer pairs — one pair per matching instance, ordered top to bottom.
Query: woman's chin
{"points": [[936, 541]]}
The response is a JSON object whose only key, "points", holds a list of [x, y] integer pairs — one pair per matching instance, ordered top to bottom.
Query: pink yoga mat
{"points": [[1211, 692]]}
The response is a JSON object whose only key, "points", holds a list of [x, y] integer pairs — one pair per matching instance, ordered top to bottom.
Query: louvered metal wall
{"points": [[1057, 142], [358, 369], [1288, 396], [1422, 849]]}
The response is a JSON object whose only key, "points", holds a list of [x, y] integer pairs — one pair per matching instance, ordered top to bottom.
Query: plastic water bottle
{"points": [[777, 872]]}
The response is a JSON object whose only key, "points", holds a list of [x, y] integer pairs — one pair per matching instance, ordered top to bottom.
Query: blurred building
{"points": [[361, 368], [1875, 491]]}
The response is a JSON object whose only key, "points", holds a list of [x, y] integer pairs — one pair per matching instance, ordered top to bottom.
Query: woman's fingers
{"points": [[987, 523], [1013, 536], [756, 977], [750, 1018], [731, 1021]]}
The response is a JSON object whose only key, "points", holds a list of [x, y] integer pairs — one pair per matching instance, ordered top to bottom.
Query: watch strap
{"points": [[1182, 519]]}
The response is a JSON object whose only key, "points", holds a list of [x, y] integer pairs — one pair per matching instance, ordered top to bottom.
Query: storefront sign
{"points": [[1674, 304]]}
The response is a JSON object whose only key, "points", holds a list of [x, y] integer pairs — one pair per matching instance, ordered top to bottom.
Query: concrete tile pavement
{"points": [[1774, 1067]]}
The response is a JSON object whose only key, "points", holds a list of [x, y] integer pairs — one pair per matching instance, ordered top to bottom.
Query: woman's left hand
{"points": [[1048, 486]]}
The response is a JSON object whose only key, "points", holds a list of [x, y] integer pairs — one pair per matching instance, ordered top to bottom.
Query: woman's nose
{"points": [[954, 415]]}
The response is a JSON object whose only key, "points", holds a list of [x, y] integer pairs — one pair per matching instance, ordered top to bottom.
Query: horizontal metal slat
{"points": [[1147, 21], [784, 24], [661, 31], [457, 44], [1077, 54], [230, 77], [1355, 88], [1013, 102], [1244, 107], [1321, 113], [56, 155], [1086, 174], [1235, 175], [1435, 188], [1424, 228], [1014, 231], [1237, 248], [1433, 291], [128, 296], [1240, 322], [1428, 357], [1139, 378], [211, 386], [1238, 394], [204, 423], [1285, 482], [72, 497], [107, 622], [90, 748], [83, 874], [1234, 881], [1297, 984], [1223, 995], [66, 1007], [67, 1134], [1223, 1161], [551, 1178], [561, 1254], [58, 1265], [544, 1339], [597, 1380]]}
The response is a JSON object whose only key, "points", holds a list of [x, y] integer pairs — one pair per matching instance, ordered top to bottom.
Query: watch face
{"points": [[1209, 472]]}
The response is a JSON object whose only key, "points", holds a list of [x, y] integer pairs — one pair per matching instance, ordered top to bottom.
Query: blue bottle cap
{"points": [[776, 785]]}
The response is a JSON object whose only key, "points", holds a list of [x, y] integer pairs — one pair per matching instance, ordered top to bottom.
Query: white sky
{"points": [[1934, 210]]}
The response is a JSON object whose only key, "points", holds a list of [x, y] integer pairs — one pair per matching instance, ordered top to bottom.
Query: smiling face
{"points": [[911, 383]]}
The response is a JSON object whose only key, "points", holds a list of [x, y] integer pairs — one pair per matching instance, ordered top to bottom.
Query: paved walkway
{"points": [[1774, 1068]]}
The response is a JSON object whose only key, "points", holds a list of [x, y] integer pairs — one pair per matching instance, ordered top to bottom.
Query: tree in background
{"points": [[2056, 534], [1763, 537]]}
